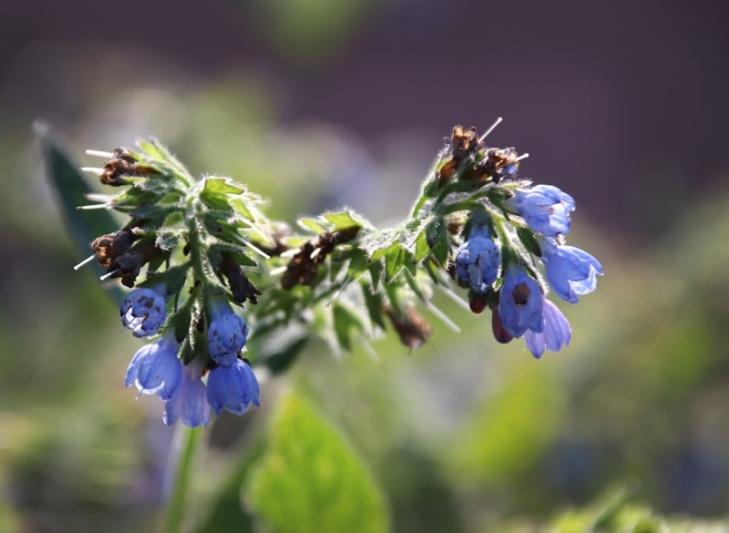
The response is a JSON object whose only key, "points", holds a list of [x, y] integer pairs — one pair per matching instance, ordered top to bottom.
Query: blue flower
{"points": [[545, 209], [477, 260], [571, 272], [520, 302], [143, 311], [556, 332], [227, 333], [155, 368], [234, 388], [188, 403]]}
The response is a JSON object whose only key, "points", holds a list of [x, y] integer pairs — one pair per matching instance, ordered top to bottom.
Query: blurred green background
{"points": [[320, 103]]}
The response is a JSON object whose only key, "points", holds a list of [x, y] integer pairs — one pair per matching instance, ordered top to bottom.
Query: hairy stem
{"points": [[176, 504]]}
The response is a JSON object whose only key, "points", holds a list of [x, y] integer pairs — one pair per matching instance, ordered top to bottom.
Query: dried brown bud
{"points": [[463, 142], [497, 159], [122, 164], [108, 248], [128, 265], [303, 266], [239, 284], [477, 302], [411, 327], [500, 334]]}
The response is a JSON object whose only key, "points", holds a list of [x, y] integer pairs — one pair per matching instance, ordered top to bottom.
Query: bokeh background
{"points": [[322, 103]]}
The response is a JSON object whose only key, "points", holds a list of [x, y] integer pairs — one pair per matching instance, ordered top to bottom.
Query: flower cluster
{"points": [[514, 231], [205, 250], [194, 361]]}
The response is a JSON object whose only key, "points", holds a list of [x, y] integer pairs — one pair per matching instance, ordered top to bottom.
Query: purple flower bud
{"points": [[544, 208], [478, 260], [571, 272], [520, 302], [143, 311], [556, 332], [227, 333], [155, 368], [233, 388], [188, 403]]}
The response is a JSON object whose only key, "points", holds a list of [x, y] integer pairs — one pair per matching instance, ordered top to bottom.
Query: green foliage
{"points": [[311, 480]]}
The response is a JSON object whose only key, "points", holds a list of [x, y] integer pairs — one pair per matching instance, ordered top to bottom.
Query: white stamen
{"points": [[492, 128], [100, 153], [522, 156], [93, 170], [97, 197], [93, 206], [253, 247], [316, 252], [290, 253], [85, 262], [277, 271], [108, 275], [454, 297], [444, 318], [371, 351]]}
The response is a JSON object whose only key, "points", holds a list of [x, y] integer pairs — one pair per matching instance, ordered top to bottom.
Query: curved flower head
{"points": [[545, 208], [477, 260], [571, 272], [520, 302], [143, 311], [227, 333], [555, 334], [155, 368], [234, 388], [188, 403]]}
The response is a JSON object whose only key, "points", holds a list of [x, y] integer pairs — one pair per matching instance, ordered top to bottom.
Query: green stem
{"points": [[176, 505]]}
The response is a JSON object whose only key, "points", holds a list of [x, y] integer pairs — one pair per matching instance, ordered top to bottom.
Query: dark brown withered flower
{"points": [[500, 163], [122, 164], [107, 248], [303, 266], [239, 284], [411, 327]]}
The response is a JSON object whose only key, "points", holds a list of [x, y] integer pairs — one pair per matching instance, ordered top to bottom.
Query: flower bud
{"points": [[143, 311], [227, 333]]}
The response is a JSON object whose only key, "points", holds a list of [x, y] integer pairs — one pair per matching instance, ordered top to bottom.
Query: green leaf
{"points": [[217, 185], [71, 188], [345, 219], [311, 224], [437, 235], [529, 241], [422, 249], [395, 256], [376, 273], [373, 302], [344, 322], [280, 361], [311, 480], [226, 510]]}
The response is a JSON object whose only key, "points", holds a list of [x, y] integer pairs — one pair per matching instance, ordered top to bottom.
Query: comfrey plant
{"points": [[218, 287]]}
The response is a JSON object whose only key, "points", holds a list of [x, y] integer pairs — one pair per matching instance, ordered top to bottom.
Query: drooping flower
{"points": [[545, 208], [477, 260], [570, 271], [520, 302], [143, 311], [556, 332], [227, 333], [155, 368], [234, 388], [189, 403]]}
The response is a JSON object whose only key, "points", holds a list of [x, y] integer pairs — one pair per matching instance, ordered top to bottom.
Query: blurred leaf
{"points": [[71, 189], [344, 219], [437, 238], [529, 241], [344, 322], [281, 360], [311, 480], [226, 512]]}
